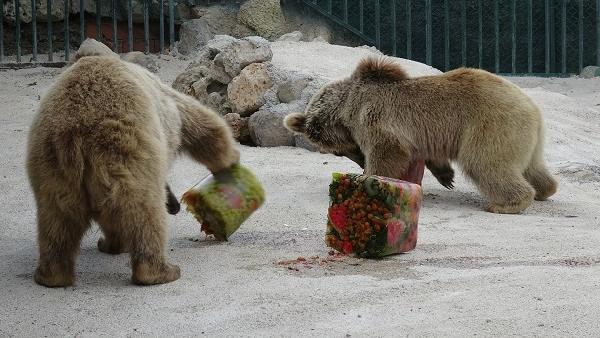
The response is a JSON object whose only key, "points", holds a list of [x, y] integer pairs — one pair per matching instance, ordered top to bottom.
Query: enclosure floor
{"points": [[534, 274]]}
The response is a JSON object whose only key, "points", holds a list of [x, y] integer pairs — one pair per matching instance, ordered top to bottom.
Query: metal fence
{"points": [[166, 15], [543, 37]]}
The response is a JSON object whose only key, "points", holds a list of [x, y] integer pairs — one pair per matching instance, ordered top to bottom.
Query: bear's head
{"points": [[323, 124]]}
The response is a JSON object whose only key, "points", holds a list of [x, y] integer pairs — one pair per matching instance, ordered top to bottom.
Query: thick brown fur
{"points": [[485, 123], [99, 149]]}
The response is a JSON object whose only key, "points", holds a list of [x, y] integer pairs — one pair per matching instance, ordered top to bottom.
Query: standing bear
{"points": [[383, 120], [99, 149]]}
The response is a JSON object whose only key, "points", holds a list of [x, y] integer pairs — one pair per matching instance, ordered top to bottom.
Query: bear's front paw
{"points": [[149, 274], [54, 275]]}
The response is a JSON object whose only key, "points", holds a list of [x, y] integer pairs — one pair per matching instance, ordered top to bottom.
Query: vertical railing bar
{"points": [[345, 3], [329, 7], [361, 8], [49, 18], [580, 19], [81, 20], [98, 20], [171, 24], [377, 24], [114, 25], [130, 25], [162, 26], [463, 26], [18, 28], [146, 28], [428, 28], [408, 29], [1, 30], [34, 30], [598, 32], [547, 34], [446, 36], [529, 36], [563, 36], [394, 37], [480, 37], [552, 37], [496, 38], [67, 39], [513, 56]]}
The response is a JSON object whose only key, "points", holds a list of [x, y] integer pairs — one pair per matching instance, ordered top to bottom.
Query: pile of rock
{"points": [[236, 78]]}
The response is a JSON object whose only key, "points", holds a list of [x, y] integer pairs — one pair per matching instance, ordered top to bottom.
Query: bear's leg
{"points": [[386, 160], [443, 172], [539, 177], [507, 190], [59, 237], [112, 242]]}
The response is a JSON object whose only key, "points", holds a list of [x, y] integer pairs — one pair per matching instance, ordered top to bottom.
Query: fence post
{"points": [[345, 8], [361, 9], [49, 16], [480, 17], [98, 20], [580, 20], [81, 21], [377, 23], [66, 24], [171, 24], [114, 25], [130, 25], [162, 26], [18, 28], [146, 28], [463, 28], [408, 29], [1, 30], [33, 30], [598, 32], [547, 34], [446, 36], [529, 36], [563, 36], [394, 37], [428, 38], [496, 38], [513, 56]]}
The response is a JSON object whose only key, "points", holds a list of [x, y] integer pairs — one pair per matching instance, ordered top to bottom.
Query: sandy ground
{"points": [[472, 273]]}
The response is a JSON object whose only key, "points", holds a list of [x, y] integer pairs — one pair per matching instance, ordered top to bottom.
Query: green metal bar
{"points": [[345, 4], [329, 7], [361, 12], [49, 18], [335, 19], [393, 19], [98, 20], [81, 21], [580, 21], [171, 24], [378, 24], [114, 25], [130, 25], [162, 26], [18, 28], [146, 28], [428, 28], [408, 29], [463, 29], [1, 30], [598, 32], [547, 34], [67, 35], [446, 36], [529, 36], [563, 36], [34, 37], [480, 37], [496, 38], [513, 56]]}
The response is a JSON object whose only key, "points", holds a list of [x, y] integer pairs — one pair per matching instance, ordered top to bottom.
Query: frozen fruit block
{"points": [[223, 201], [372, 216]]}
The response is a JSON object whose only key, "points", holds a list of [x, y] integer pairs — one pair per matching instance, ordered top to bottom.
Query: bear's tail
{"points": [[537, 173]]}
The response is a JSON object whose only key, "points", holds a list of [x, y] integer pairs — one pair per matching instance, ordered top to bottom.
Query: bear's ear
{"points": [[295, 122]]}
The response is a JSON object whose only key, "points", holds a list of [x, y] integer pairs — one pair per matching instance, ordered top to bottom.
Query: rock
{"points": [[25, 12], [264, 16], [222, 20], [193, 35], [293, 36], [320, 39], [219, 43], [371, 48], [244, 52], [146, 61], [590, 72], [291, 90], [245, 92], [239, 127], [267, 129], [303, 142]]}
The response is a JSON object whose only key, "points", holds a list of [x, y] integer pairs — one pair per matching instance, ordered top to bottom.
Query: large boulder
{"points": [[263, 16], [222, 19], [193, 35], [293, 36], [243, 52], [147, 61], [590, 72], [291, 90], [246, 91], [267, 129]]}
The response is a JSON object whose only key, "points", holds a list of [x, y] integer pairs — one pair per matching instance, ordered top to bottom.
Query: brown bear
{"points": [[383, 120], [99, 149]]}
